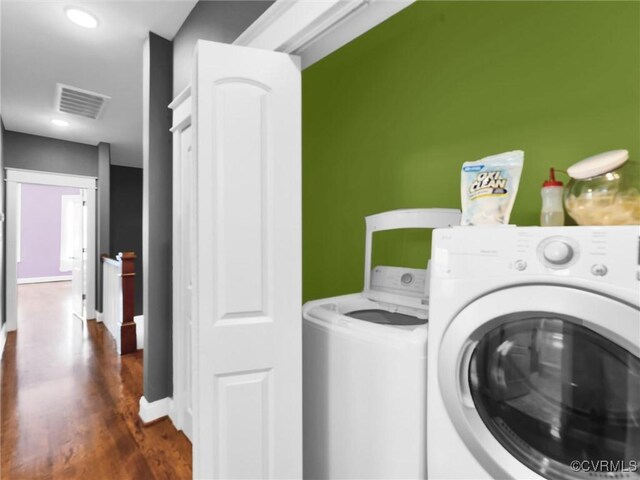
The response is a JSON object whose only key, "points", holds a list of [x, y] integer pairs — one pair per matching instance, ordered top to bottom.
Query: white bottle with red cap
{"points": [[552, 214]]}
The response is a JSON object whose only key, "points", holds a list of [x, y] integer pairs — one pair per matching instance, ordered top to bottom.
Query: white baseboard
{"points": [[59, 278], [98, 316], [139, 319], [3, 338], [150, 411], [173, 414]]}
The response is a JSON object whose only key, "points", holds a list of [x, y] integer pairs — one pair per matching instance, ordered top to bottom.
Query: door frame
{"points": [[313, 30], [15, 177], [469, 326]]}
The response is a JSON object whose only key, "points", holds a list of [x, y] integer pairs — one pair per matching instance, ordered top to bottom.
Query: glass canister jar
{"points": [[604, 190]]}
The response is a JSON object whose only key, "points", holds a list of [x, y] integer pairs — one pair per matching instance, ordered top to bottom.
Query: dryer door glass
{"points": [[554, 392]]}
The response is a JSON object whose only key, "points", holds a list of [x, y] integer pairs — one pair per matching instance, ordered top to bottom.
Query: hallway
{"points": [[70, 403]]}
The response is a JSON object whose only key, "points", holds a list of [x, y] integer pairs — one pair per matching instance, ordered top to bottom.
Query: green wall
{"points": [[389, 119]]}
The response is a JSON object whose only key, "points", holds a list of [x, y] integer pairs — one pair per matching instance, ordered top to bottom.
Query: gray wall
{"points": [[219, 21], [32, 152], [157, 217], [104, 218], [126, 219]]}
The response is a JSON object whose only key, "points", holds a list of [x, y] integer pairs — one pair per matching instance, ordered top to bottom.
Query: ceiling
{"points": [[40, 47]]}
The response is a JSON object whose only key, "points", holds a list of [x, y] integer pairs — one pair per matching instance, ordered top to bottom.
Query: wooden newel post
{"points": [[128, 341]]}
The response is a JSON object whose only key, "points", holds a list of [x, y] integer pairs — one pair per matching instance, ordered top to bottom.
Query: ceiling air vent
{"points": [[80, 102]]}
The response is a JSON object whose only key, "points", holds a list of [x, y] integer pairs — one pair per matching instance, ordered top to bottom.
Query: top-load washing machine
{"points": [[534, 353], [364, 368]]}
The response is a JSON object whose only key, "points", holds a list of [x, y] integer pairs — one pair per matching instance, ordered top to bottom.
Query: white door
{"points": [[184, 258], [189, 258], [78, 261], [186, 282], [247, 338]]}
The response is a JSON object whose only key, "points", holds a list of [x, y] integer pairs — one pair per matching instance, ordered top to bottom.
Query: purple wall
{"points": [[40, 230]]}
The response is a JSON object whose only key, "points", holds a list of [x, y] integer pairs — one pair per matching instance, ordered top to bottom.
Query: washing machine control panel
{"points": [[602, 254], [407, 281]]}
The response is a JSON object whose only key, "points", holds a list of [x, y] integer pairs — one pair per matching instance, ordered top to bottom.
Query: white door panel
{"points": [[189, 179], [184, 251], [78, 258], [247, 336]]}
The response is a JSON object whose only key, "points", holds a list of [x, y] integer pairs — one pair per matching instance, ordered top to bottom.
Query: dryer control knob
{"points": [[558, 252]]}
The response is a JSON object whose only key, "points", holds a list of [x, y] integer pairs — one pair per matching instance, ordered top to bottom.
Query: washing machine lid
{"points": [[406, 287]]}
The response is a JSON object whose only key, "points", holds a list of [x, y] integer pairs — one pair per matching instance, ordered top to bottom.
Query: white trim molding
{"points": [[287, 26], [313, 29], [47, 178], [19, 220], [183, 247], [59, 278], [99, 317], [3, 338], [152, 411], [173, 416]]}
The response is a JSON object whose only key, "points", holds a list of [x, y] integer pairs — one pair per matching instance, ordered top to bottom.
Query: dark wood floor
{"points": [[70, 403]]}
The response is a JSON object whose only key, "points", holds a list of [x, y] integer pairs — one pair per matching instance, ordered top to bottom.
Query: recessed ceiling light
{"points": [[82, 18], [60, 123]]}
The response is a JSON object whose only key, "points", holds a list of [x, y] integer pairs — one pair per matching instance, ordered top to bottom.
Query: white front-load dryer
{"points": [[534, 353], [365, 368]]}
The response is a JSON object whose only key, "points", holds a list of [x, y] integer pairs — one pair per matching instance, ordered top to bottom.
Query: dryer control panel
{"points": [[602, 254]]}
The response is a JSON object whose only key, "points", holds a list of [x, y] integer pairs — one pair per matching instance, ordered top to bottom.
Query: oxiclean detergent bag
{"points": [[489, 188]]}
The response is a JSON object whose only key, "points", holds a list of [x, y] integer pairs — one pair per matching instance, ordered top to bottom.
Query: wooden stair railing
{"points": [[119, 299]]}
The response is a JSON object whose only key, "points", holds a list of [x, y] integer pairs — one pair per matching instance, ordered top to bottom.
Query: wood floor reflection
{"points": [[70, 403]]}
